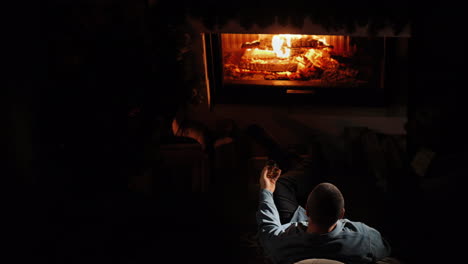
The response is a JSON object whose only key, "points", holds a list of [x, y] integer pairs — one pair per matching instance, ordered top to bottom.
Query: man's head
{"points": [[325, 205]]}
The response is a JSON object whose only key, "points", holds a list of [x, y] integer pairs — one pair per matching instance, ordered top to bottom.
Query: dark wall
{"points": [[76, 72], [97, 72], [436, 72], [112, 73], [436, 122]]}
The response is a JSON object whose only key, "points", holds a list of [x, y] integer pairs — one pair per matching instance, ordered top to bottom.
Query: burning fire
{"points": [[278, 42], [281, 44], [286, 57]]}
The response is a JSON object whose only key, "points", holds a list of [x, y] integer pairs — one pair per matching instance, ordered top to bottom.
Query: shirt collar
{"points": [[336, 230]]}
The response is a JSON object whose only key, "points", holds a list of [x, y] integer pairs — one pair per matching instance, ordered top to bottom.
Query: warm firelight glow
{"points": [[281, 44], [278, 45], [288, 57]]}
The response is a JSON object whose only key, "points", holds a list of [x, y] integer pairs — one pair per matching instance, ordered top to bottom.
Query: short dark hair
{"points": [[325, 204]]}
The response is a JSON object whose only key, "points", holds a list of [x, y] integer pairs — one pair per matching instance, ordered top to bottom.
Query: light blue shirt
{"points": [[349, 242]]}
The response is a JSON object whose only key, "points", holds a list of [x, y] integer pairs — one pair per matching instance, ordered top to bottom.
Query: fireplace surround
{"points": [[197, 29], [311, 65], [349, 71]]}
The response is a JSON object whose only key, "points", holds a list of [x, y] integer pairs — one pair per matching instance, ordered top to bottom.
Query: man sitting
{"points": [[319, 231]]}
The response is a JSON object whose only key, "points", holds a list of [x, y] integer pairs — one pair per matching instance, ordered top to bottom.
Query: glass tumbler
{"points": [[273, 171]]}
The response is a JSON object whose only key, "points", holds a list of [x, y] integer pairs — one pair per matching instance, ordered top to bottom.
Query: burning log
{"points": [[265, 42], [309, 43], [250, 45], [259, 54], [271, 67], [278, 76]]}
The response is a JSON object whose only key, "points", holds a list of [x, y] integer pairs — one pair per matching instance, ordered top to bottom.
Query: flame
{"points": [[278, 42], [281, 43]]}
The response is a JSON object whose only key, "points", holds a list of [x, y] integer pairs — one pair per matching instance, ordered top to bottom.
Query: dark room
{"points": [[151, 131]]}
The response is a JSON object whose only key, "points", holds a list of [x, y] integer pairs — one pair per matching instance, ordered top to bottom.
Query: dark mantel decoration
{"points": [[332, 15]]}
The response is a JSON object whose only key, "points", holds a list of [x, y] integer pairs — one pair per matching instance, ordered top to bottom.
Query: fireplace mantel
{"points": [[352, 17], [197, 21], [307, 27]]}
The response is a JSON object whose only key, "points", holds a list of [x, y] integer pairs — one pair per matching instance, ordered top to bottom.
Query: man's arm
{"points": [[268, 220], [379, 247]]}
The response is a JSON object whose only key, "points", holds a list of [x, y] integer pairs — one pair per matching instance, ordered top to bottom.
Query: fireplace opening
{"points": [[308, 60], [298, 68]]}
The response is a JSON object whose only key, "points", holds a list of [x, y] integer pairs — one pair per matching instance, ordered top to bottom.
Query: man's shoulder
{"points": [[353, 226], [296, 228]]}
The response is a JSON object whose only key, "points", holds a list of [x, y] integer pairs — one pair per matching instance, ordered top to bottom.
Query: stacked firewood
{"points": [[264, 42], [259, 55], [310, 58]]}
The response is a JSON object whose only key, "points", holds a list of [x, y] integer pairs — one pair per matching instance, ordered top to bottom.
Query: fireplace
{"points": [[303, 68]]}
